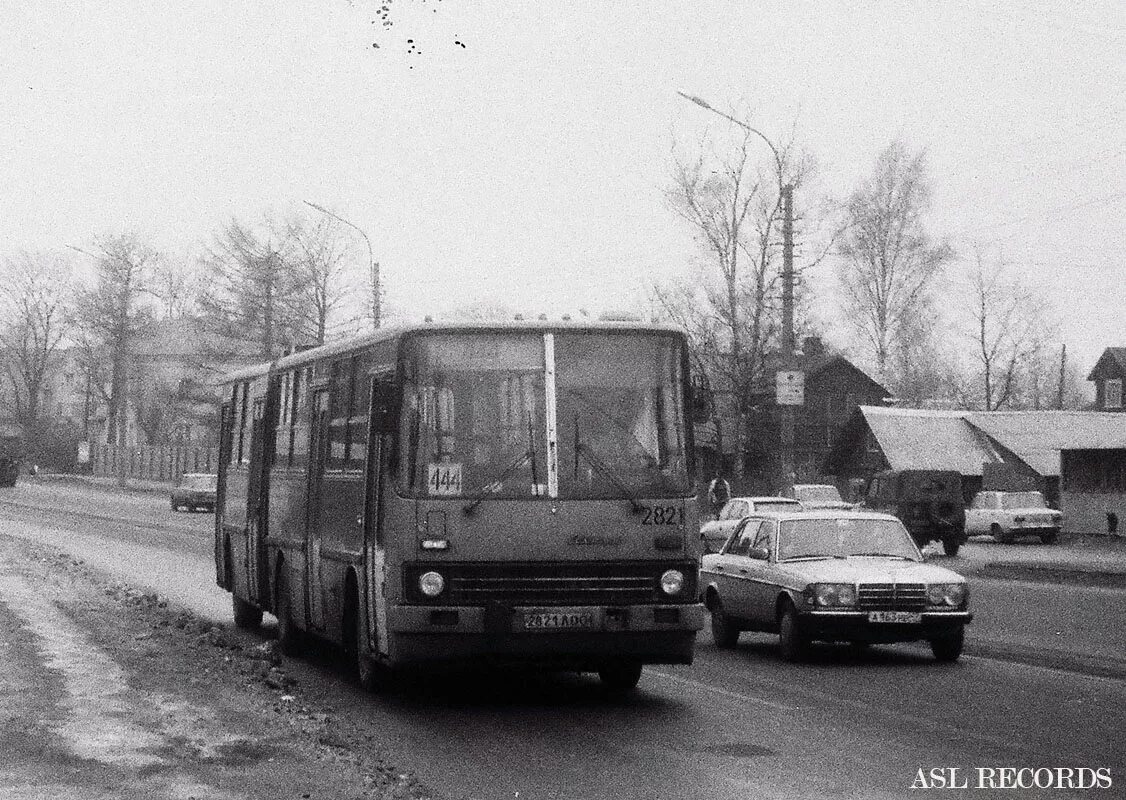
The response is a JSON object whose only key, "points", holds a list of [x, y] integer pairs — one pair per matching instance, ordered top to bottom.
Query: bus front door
{"points": [[381, 391], [318, 455], [256, 500]]}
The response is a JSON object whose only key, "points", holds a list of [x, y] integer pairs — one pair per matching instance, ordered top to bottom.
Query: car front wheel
{"points": [[1049, 537], [725, 633], [792, 639], [948, 647]]}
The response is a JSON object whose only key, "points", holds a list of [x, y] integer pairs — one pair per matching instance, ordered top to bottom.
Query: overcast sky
{"points": [[518, 150]]}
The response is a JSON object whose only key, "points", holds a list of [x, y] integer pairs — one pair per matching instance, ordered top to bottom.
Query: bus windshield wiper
{"points": [[515, 465], [604, 471]]}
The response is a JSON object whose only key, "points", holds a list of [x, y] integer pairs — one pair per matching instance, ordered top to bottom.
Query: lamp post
{"points": [[786, 197], [373, 264]]}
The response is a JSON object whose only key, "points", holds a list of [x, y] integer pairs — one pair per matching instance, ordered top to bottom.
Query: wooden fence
{"points": [[152, 462]]}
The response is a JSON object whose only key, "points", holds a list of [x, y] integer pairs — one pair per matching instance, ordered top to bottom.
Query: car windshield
{"points": [[201, 482], [817, 494], [1023, 500], [776, 505], [841, 537]]}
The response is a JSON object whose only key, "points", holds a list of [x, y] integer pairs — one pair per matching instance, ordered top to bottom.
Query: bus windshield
{"points": [[619, 416], [474, 420]]}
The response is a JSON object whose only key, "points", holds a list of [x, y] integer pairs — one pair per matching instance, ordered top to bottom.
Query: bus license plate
{"points": [[910, 617], [559, 621]]}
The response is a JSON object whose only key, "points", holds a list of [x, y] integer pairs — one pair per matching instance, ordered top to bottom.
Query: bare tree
{"points": [[734, 207], [889, 261], [327, 278], [176, 289], [253, 291], [33, 298], [112, 313], [1010, 333]]}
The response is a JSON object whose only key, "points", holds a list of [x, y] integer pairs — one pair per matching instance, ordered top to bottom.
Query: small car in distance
{"points": [[195, 492], [821, 495], [1006, 515], [715, 532], [835, 576]]}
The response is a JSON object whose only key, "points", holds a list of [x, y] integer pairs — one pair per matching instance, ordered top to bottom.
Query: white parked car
{"points": [[821, 495], [1006, 515], [715, 532], [832, 576]]}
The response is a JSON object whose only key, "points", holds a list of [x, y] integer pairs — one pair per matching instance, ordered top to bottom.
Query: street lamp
{"points": [[374, 265], [786, 411]]}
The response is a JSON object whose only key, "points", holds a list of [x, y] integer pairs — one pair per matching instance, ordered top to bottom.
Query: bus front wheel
{"points": [[622, 676]]}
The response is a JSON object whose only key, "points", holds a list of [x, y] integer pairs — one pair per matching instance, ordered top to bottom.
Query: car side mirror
{"points": [[759, 554]]}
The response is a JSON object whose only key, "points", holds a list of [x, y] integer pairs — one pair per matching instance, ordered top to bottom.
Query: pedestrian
{"points": [[719, 492], [1111, 522]]}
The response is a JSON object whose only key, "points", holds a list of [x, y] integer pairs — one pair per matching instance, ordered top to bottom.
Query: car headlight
{"points": [[672, 582], [431, 584], [835, 594], [952, 595]]}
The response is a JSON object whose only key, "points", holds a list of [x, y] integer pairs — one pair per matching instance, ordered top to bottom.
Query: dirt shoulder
{"points": [[109, 692]]}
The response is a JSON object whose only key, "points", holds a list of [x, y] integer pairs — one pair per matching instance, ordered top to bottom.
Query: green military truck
{"points": [[927, 501]]}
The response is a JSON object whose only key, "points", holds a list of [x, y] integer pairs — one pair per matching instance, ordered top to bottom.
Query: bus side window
{"points": [[340, 395], [300, 431]]}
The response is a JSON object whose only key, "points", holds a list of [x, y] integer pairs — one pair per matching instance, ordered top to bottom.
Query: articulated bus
{"points": [[507, 492]]}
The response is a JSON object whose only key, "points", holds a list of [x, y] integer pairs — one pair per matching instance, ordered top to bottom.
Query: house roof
{"points": [[1110, 364], [811, 366], [1037, 437], [925, 439], [965, 440]]}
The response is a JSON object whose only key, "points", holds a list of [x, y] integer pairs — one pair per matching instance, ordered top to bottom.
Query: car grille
{"points": [[553, 584], [892, 597]]}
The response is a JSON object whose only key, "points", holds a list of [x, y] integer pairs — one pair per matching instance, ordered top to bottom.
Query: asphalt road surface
{"points": [[741, 724]]}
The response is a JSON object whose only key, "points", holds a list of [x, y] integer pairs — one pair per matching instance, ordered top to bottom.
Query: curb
{"points": [[108, 484], [1062, 574], [1045, 657]]}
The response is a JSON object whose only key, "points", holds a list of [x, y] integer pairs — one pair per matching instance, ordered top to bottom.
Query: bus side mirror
{"points": [[384, 410]]}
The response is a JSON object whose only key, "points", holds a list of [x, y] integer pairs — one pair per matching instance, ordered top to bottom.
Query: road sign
{"points": [[789, 387]]}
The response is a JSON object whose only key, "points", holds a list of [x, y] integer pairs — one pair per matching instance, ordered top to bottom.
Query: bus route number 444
{"points": [[444, 479]]}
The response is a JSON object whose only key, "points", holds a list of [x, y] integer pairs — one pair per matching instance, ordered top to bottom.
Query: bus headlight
{"points": [[672, 582], [431, 584], [946, 594]]}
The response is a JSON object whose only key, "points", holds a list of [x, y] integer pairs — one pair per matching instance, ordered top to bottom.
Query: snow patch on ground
{"points": [[97, 725]]}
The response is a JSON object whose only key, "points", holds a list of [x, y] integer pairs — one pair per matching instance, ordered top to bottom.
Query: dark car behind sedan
{"points": [[195, 492]]}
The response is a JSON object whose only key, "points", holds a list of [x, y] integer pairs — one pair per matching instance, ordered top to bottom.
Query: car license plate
{"points": [[895, 616], [559, 621]]}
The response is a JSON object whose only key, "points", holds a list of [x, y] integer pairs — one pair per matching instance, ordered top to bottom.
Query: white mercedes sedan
{"points": [[834, 576]]}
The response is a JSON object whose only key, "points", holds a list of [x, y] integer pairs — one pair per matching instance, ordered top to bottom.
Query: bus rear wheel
{"points": [[247, 616], [289, 635], [621, 676]]}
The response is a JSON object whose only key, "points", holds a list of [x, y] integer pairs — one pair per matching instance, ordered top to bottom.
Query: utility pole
{"points": [[373, 265], [1063, 370], [787, 376], [786, 411]]}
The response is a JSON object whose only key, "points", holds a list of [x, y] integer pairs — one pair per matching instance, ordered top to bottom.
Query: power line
{"points": [[1046, 212]]}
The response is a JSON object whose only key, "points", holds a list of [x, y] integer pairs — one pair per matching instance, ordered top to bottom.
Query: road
{"points": [[734, 725]]}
